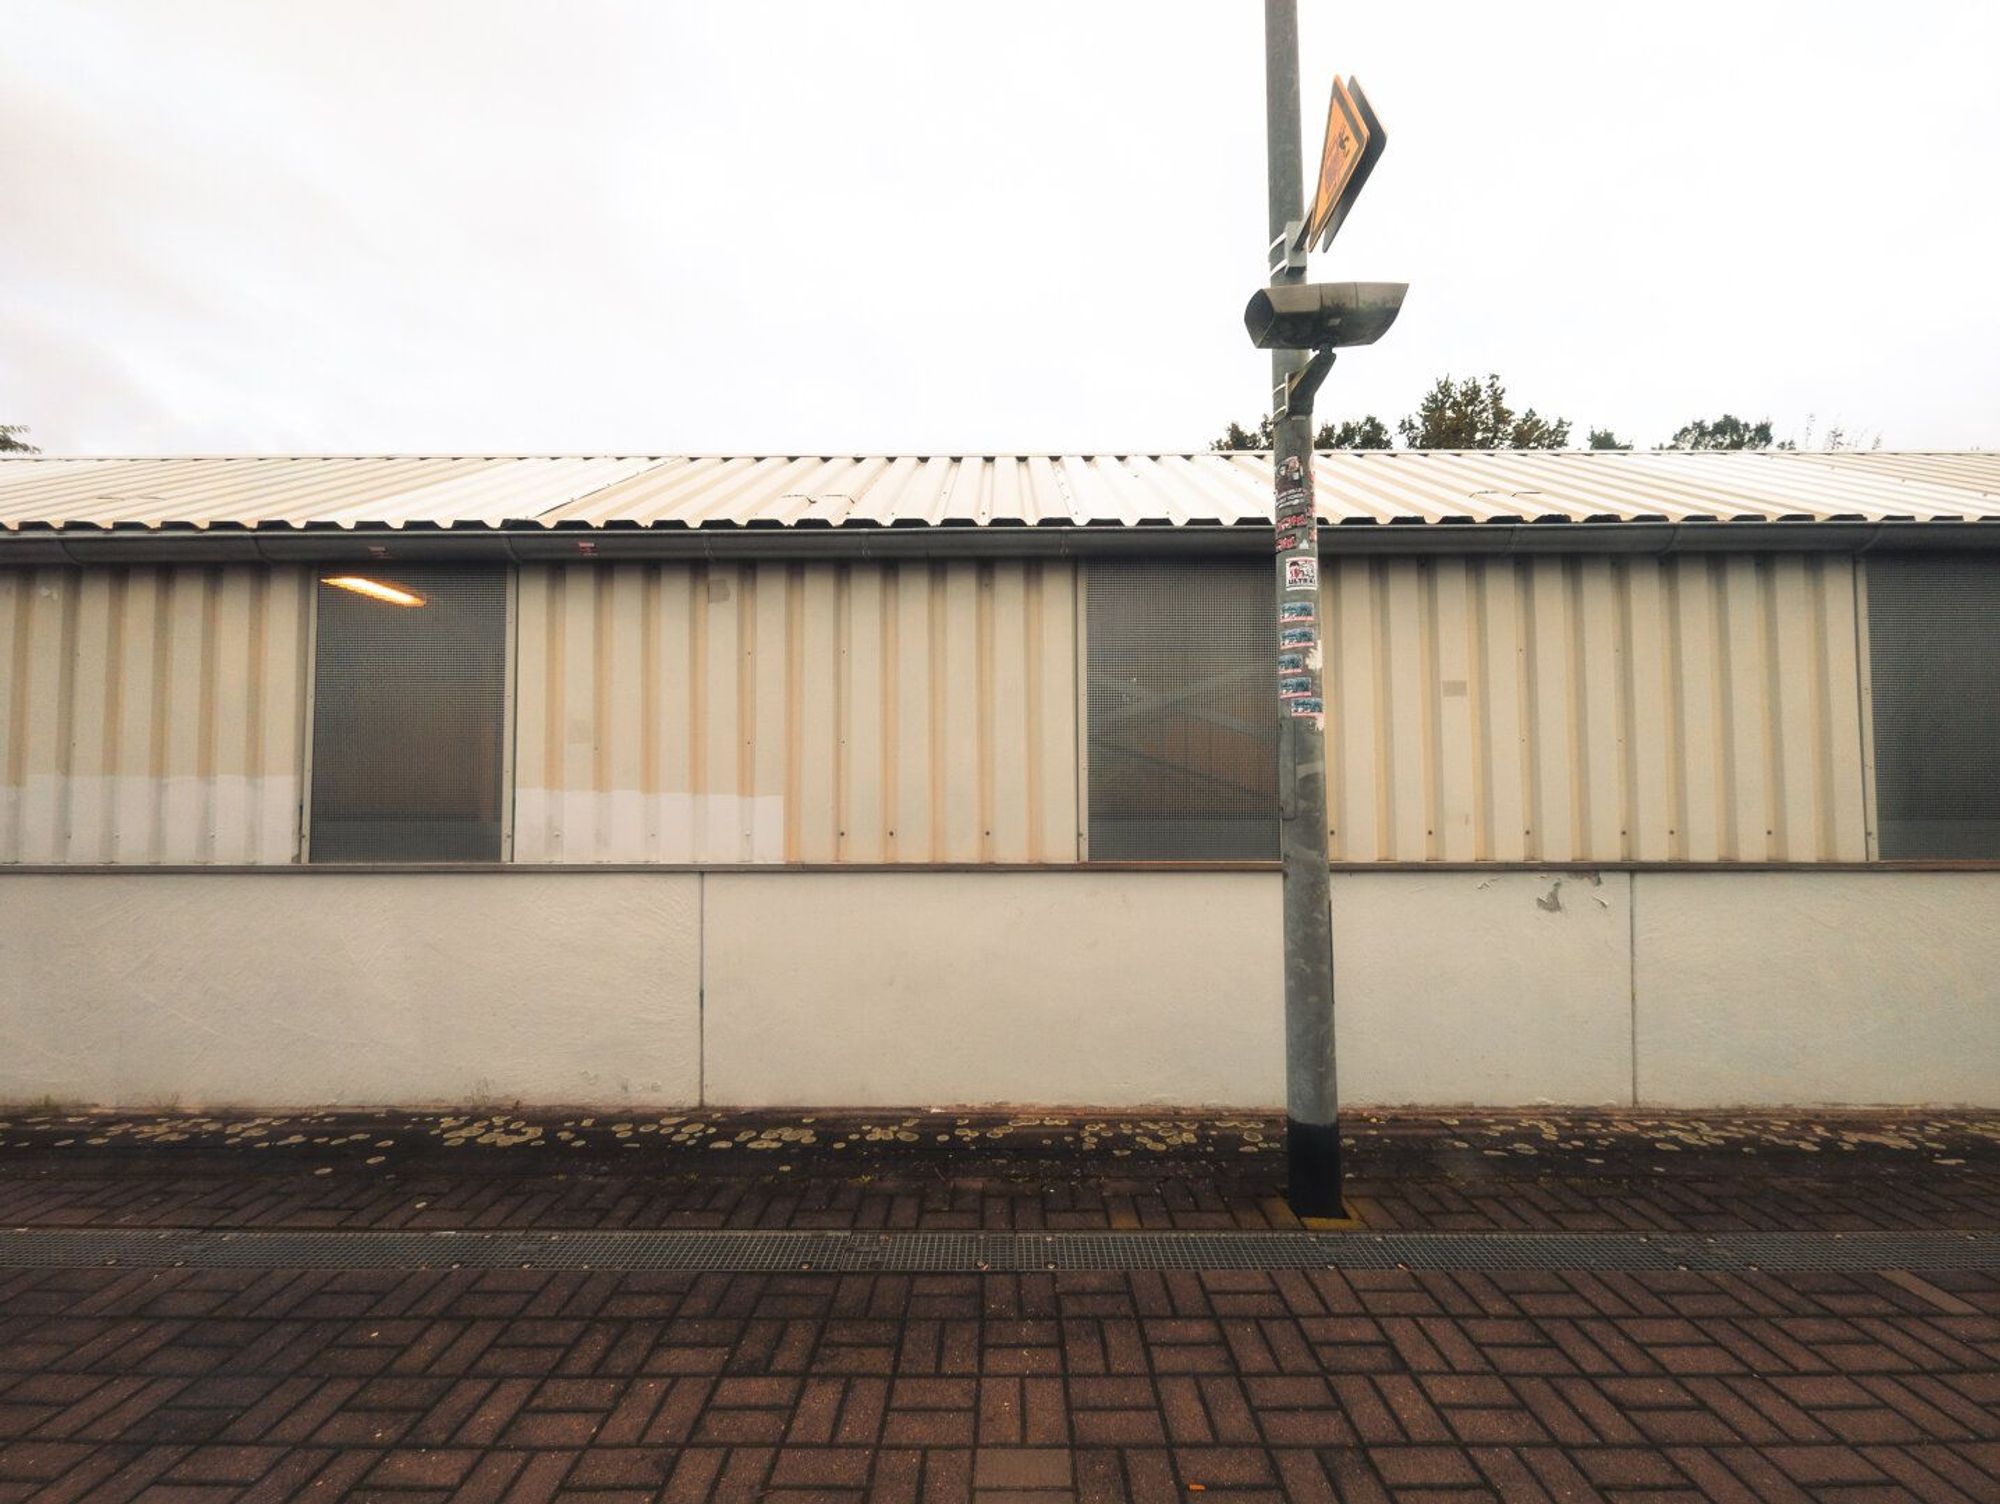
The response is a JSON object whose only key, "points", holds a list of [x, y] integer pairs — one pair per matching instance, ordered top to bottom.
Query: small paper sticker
{"points": [[1292, 472], [1291, 521], [1287, 541], [1302, 574], [1295, 611], [1297, 637], [1291, 663], [1295, 687], [1311, 705]]}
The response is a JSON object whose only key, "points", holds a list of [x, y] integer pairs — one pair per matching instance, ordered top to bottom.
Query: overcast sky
{"points": [[807, 227]]}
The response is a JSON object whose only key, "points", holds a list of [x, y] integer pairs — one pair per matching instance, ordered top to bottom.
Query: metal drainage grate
{"points": [[965, 1252]]}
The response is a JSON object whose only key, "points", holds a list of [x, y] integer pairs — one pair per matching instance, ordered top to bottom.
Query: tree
{"points": [[1470, 415], [1368, 432], [1726, 432], [1604, 438], [12, 442]]}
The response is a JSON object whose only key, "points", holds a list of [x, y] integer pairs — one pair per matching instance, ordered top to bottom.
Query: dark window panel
{"points": [[1934, 645], [409, 706], [1183, 712]]}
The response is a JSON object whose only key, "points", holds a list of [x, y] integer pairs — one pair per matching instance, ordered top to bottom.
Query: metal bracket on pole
{"points": [[1288, 252], [1293, 397]]}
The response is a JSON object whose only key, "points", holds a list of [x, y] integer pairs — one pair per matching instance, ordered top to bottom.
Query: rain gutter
{"points": [[531, 543]]}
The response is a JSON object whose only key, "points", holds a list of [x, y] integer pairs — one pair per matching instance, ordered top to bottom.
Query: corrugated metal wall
{"points": [[1536, 709], [1594, 709], [916, 712], [151, 715]]}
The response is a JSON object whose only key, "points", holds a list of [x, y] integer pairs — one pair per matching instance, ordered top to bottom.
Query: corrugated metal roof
{"points": [[871, 491]]}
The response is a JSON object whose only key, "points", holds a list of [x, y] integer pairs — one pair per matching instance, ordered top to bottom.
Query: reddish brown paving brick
{"points": [[929, 1428], [1216, 1466], [1404, 1467], [420, 1468]]}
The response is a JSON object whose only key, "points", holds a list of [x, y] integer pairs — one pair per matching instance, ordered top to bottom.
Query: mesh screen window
{"points": [[1934, 656], [409, 698], [1183, 741]]}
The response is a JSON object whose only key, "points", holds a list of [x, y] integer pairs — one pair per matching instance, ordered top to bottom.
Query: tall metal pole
{"points": [[1312, 1105]]}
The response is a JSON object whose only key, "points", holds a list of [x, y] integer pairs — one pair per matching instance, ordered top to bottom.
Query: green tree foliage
{"points": [[1471, 414], [1369, 432], [1726, 432], [1236, 436], [1604, 438], [12, 442]]}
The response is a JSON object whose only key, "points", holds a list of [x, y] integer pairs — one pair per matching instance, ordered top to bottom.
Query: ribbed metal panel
{"points": [[868, 491], [1547, 709], [1594, 709], [921, 712], [151, 715]]}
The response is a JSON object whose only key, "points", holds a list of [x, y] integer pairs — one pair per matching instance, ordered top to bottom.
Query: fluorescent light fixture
{"points": [[378, 590]]}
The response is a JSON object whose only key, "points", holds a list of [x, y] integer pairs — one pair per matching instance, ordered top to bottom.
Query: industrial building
{"points": [[1656, 779]]}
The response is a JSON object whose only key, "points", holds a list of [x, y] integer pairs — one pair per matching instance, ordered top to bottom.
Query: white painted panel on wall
{"points": [[1505, 988], [1799, 988], [896, 989], [288, 990], [1120, 990]]}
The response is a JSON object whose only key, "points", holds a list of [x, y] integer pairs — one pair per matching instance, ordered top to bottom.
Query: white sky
{"points": [[376, 226]]}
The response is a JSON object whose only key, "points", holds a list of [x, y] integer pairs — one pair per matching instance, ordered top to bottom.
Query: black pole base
{"points": [[1312, 1167]]}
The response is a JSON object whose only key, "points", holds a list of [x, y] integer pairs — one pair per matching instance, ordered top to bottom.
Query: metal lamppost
{"points": [[1291, 317]]}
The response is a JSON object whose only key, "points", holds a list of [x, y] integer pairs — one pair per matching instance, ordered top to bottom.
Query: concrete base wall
{"points": [[1818, 987], [1078, 988], [144, 990]]}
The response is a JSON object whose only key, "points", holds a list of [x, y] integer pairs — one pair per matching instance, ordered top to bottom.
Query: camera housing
{"points": [[1322, 315]]}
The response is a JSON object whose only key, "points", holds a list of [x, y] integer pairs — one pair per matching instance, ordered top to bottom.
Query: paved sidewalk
{"points": [[953, 1171], [176, 1383]]}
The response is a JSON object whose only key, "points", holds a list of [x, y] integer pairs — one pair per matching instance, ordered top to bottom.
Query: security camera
{"points": [[1322, 315]]}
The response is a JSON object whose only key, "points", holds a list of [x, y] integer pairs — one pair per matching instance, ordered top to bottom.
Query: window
{"points": [[1934, 630], [409, 696], [1183, 741]]}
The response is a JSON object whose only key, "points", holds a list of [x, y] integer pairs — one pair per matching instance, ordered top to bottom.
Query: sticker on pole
{"points": [[1302, 574], [1295, 613], [1297, 637], [1295, 687]]}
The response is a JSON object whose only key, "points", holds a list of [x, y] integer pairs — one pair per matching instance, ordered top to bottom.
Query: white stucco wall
{"points": [[1838, 987], [1075, 988], [1502, 988], [140, 989], [882, 989], [1127, 989]]}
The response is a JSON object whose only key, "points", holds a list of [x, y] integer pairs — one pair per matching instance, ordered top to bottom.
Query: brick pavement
{"points": [[1496, 1171], [178, 1384], [1311, 1385]]}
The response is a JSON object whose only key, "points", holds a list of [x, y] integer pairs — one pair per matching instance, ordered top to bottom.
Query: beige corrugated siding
{"points": [[864, 491], [1538, 709], [1592, 709], [864, 713], [151, 715]]}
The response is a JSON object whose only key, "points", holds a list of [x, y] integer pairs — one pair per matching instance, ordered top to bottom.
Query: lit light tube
{"points": [[395, 595]]}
